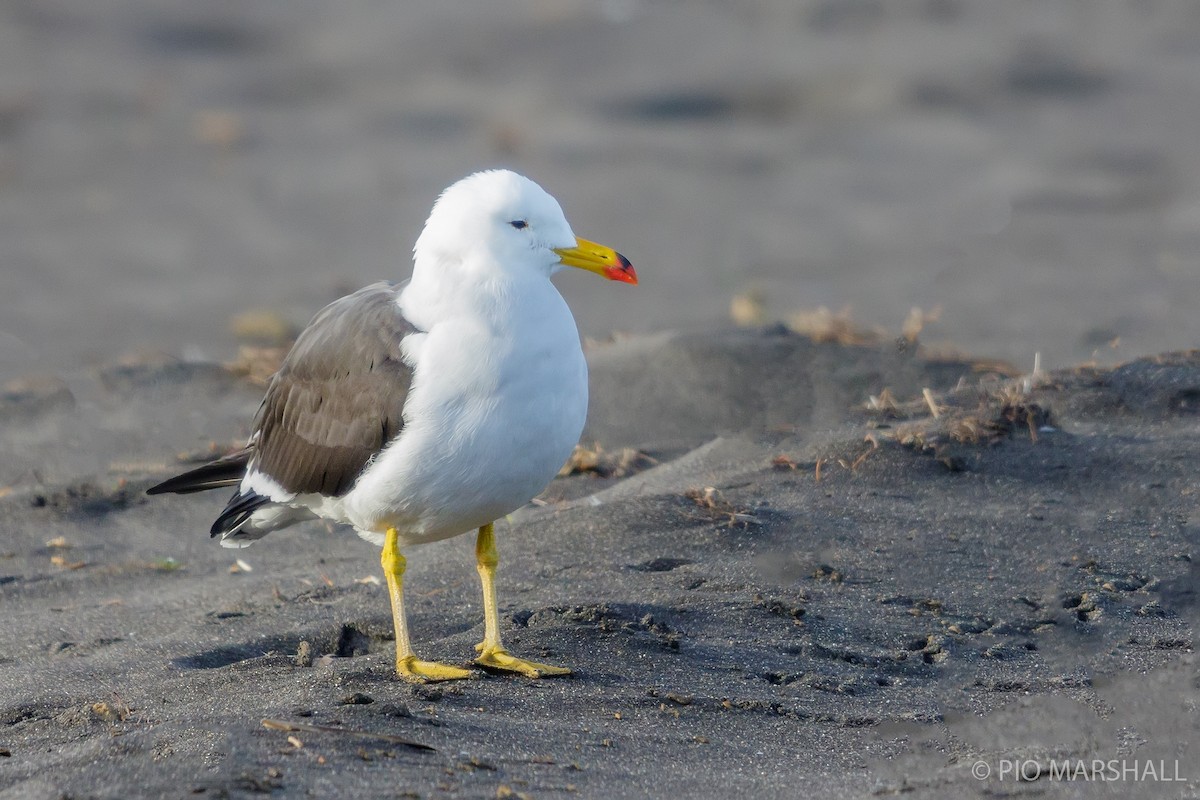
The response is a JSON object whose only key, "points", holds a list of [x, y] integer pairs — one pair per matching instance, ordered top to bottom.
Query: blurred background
{"points": [[1029, 168]]}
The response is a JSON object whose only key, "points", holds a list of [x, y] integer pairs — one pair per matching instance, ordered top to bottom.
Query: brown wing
{"points": [[339, 396]]}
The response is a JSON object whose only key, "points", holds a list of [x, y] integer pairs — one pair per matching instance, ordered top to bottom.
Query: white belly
{"points": [[489, 421]]}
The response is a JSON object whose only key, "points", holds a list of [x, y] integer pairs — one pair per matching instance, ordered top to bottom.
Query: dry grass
{"points": [[749, 309], [917, 320], [263, 326], [824, 326], [257, 363], [884, 403], [941, 425], [596, 461], [785, 463], [855, 463], [710, 499], [115, 711]]}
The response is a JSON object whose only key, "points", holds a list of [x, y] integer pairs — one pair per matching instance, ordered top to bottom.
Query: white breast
{"points": [[498, 402]]}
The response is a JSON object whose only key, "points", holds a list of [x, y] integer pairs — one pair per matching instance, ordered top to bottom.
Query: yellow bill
{"points": [[598, 259]]}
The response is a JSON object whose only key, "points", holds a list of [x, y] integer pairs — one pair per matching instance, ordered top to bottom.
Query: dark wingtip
{"points": [[227, 471], [166, 487], [240, 507]]}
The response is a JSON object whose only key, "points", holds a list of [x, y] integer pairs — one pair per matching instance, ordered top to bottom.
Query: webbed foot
{"points": [[500, 659]]}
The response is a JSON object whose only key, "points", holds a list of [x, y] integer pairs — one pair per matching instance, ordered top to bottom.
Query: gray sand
{"points": [[1029, 167], [1000, 583], [783, 593]]}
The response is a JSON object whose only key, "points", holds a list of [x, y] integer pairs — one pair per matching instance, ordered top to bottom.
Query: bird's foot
{"points": [[501, 659], [413, 670]]}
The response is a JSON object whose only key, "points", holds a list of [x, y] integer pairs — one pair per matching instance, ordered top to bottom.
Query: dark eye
{"points": [[519, 224]]}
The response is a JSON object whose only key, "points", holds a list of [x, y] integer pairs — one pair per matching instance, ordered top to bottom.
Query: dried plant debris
{"points": [[749, 308], [916, 322], [822, 325], [263, 326], [257, 363], [994, 366], [885, 403], [939, 425], [594, 460], [856, 462], [784, 463], [710, 499], [62, 562], [112, 711], [116, 711]]}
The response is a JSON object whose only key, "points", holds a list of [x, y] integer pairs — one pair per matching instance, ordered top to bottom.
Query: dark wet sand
{"points": [[1012, 580]]}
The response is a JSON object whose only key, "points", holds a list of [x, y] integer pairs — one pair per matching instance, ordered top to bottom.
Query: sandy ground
{"points": [[1030, 168], [781, 588], [783, 593]]}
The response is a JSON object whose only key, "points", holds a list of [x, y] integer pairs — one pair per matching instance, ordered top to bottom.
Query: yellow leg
{"points": [[491, 651], [408, 666]]}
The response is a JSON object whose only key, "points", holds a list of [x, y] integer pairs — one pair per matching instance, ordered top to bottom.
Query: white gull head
{"points": [[494, 221]]}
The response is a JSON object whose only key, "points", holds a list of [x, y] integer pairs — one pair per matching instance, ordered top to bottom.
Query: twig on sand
{"points": [[1033, 380], [929, 401], [856, 463], [711, 499], [299, 727]]}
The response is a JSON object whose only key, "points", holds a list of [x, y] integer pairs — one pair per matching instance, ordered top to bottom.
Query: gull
{"points": [[419, 411]]}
